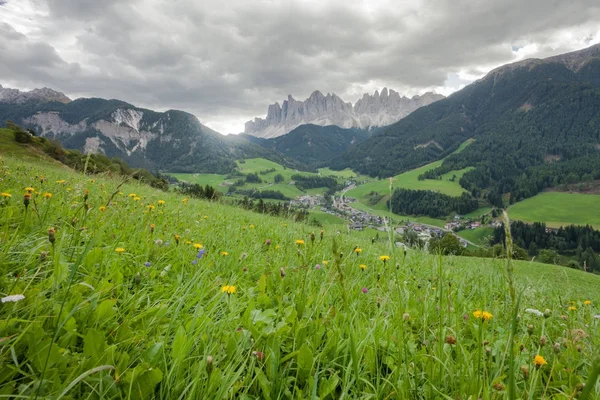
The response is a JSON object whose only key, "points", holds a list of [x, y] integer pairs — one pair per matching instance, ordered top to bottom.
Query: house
{"points": [[475, 225]]}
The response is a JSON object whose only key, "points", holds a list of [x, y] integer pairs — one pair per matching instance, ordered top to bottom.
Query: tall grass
{"points": [[153, 320]]}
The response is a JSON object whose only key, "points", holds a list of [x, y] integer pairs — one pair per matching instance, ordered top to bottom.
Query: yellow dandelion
{"points": [[62, 181], [29, 189], [6, 195], [47, 195], [132, 195], [137, 198], [185, 200], [160, 202], [150, 207], [102, 208], [206, 217], [251, 226], [187, 242], [300, 242], [197, 245], [277, 247], [120, 250], [358, 250], [224, 253], [384, 258], [325, 262], [363, 266], [229, 289], [587, 302], [572, 308], [483, 315], [539, 360]]}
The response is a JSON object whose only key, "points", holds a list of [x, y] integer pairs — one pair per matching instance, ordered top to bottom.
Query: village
{"points": [[358, 220]]}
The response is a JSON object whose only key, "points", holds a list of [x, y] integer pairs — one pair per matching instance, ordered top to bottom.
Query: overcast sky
{"points": [[226, 61]]}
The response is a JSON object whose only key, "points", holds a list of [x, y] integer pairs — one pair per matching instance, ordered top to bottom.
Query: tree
{"points": [[278, 178], [448, 244]]}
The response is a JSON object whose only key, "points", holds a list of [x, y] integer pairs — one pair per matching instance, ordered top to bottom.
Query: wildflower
{"points": [[62, 181], [29, 189], [6, 195], [132, 195], [26, 198], [137, 198], [185, 201], [160, 202], [150, 207], [102, 208], [152, 226], [251, 226], [51, 237], [177, 237], [158, 242], [187, 242], [268, 242], [300, 242], [198, 246], [277, 247], [120, 250], [358, 250], [200, 253], [224, 253], [384, 258], [194, 262], [325, 262], [147, 263], [318, 266], [363, 266], [282, 272], [229, 289], [365, 290], [12, 299], [587, 302], [572, 308], [535, 312], [483, 315], [406, 316], [450, 339], [543, 341], [539, 361], [525, 371]]}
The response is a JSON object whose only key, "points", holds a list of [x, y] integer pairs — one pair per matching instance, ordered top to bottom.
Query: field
{"points": [[256, 165], [558, 209], [477, 236], [115, 290]]}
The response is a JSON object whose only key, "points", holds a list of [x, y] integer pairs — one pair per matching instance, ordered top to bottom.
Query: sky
{"points": [[225, 61]]}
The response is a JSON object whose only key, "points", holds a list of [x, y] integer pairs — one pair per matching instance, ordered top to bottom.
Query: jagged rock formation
{"points": [[45, 94], [379, 109]]}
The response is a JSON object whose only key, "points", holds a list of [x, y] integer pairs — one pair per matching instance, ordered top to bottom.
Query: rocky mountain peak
{"points": [[8, 95], [380, 109]]}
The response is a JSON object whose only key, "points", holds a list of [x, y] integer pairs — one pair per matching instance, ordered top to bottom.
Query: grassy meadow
{"points": [[558, 209], [120, 291]]}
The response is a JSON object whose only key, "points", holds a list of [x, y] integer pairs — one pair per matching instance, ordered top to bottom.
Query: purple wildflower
{"points": [[200, 253], [195, 262], [147, 263], [318, 266], [365, 290]]}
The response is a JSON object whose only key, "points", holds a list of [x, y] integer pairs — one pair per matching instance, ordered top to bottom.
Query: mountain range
{"points": [[379, 109], [535, 124]]}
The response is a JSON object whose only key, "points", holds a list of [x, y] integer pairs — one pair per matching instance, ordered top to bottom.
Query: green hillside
{"points": [[559, 209], [122, 291]]}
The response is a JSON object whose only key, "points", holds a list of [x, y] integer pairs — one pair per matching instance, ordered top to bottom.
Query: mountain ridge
{"points": [[379, 109]]}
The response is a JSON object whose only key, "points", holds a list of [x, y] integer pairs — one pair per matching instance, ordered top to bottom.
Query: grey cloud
{"points": [[227, 59]]}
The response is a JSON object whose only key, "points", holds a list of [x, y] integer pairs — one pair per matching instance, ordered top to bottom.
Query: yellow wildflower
{"points": [[62, 181], [29, 189], [6, 195], [47, 195], [132, 195], [137, 198], [160, 202], [151, 207], [102, 208], [251, 226], [187, 242], [300, 242], [197, 245], [120, 250], [358, 250], [224, 253], [384, 258], [325, 262], [363, 266], [229, 289], [587, 302], [572, 308], [484, 315], [539, 360]]}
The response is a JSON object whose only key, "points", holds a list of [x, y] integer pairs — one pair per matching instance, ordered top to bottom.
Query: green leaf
{"points": [[106, 310], [94, 345], [179, 346], [153, 354], [305, 359], [328, 386]]}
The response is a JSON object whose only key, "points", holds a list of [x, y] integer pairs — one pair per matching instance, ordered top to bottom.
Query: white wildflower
{"points": [[12, 299], [534, 312], [597, 316]]}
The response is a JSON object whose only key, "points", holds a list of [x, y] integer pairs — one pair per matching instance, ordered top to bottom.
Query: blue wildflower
{"points": [[200, 253], [195, 262], [147, 263]]}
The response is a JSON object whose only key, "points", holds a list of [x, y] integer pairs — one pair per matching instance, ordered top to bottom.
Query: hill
{"points": [[535, 123], [168, 141], [313, 144], [157, 296]]}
